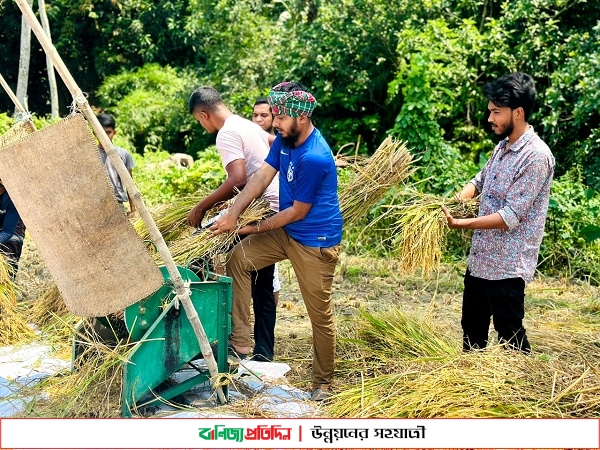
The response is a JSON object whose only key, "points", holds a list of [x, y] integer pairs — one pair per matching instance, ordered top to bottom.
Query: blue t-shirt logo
{"points": [[290, 172]]}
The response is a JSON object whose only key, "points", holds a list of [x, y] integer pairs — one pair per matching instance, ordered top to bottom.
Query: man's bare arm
{"points": [[236, 178], [255, 187]]}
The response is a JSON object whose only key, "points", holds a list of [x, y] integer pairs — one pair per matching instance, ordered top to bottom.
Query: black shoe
{"points": [[233, 356], [320, 395]]}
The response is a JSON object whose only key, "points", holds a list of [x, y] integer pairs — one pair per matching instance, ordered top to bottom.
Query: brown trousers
{"points": [[314, 268]]}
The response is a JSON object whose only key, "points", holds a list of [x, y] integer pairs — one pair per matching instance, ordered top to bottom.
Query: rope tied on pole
{"points": [[76, 104], [23, 116]]}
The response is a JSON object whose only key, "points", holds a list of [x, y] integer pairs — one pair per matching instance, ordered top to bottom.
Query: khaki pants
{"points": [[314, 268]]}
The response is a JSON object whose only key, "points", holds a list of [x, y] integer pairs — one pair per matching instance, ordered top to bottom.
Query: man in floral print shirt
{"points": [[514, 188]]}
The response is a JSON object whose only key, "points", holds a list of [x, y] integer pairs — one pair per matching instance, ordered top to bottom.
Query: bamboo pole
{"points": [[16, 101], [183, 293]]}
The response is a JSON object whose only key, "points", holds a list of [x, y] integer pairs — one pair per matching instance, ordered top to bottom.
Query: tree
{"points": [[25, 56], [49, 65]]}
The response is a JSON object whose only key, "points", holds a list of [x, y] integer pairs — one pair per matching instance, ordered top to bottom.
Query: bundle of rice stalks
{"points": [[386, 168], [170, 219], [421, 226], [201, 245], [48, 307], [13, 326], [394, 334], [490, 383]]}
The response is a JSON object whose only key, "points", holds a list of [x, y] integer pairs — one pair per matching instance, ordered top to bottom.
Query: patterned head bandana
{"points": [[293, 103]]}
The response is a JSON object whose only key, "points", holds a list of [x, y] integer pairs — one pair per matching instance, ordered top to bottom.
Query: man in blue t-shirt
{"points": [[307, 230]]}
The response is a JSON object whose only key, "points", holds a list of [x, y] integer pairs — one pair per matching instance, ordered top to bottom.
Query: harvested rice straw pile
{"points": [[386, 168], [421, 225], [190, 247], [48, 307], [13, 326], [394, 365], [93, 390]]}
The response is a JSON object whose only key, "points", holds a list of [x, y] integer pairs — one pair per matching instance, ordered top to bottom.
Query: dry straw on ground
{"points": [[388, 167], [406, 367], [92, 390]]}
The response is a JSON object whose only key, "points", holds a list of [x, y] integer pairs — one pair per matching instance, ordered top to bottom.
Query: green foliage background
{"points": [[411, 69]]}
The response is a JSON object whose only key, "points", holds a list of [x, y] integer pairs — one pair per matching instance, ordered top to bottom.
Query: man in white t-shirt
{"points": [[243, 147]]}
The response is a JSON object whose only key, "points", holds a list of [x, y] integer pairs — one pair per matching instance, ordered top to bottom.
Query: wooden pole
{"points": [[16, 101], [183, 293]]}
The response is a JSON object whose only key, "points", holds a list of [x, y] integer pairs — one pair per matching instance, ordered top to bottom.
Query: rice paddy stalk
{"points": [[18, 131], [389, 166], [171, 219], [421, 227], [189, 247], [49, 306], [13, 325], [398, 335], [92, 390]]}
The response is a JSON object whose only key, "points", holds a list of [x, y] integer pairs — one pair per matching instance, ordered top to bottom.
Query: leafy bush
{"points": [[150, 106], [6, 122], [443, 168], [160, 182], [569, 245]]}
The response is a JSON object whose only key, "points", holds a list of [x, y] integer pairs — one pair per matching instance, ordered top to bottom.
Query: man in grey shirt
{"points": [[108, 123]]}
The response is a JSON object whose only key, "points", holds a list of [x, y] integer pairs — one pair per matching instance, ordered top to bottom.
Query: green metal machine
{"points": [[166, 342]]}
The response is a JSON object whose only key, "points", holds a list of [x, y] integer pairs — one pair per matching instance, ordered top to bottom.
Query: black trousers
{"points": [[501, 300], [263, 303], [265, 312]]}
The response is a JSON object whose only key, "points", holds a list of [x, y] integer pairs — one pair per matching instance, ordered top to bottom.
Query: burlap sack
{"points": [[57, 181]]}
